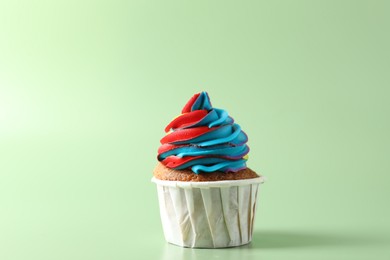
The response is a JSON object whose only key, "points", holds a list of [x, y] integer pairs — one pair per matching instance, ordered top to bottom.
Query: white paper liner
{"points": [[208, 214]]}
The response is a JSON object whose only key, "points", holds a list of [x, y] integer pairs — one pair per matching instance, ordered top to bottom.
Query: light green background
{"points": [[87, 87]]}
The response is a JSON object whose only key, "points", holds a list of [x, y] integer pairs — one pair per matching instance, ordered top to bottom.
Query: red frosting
{"points": [[188, 106], [186, 119], [186, 134], [175, 161]]}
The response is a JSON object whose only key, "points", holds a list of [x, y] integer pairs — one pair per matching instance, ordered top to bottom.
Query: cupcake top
{"points": [[203, 139]]}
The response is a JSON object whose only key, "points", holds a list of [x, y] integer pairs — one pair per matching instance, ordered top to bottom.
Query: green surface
{"points": [[87, 87]]}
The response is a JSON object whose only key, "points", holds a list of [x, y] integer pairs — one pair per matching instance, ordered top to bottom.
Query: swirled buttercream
{"points": [[203, 139]]}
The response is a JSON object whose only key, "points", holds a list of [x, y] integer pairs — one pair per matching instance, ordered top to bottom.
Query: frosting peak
{"points": [[199, 101], [204, 139]]}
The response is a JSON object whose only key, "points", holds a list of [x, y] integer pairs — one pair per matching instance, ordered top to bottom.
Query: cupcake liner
{"points": [[208, 214]]}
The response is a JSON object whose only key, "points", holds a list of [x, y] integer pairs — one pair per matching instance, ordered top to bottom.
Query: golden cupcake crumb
{"points": [[162, 172]]}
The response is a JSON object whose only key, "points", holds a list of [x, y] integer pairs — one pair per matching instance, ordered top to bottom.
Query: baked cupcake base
{"points": [[162, 172], [207, 212]]}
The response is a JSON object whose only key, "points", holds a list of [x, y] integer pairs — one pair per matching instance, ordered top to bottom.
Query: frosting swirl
{"points": [[204, 139]]}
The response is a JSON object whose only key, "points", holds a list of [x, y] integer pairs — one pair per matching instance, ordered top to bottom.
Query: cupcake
{"points": [[207, 194]]}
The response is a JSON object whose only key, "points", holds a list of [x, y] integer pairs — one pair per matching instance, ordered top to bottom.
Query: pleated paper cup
{"points": [[208, 214]]}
